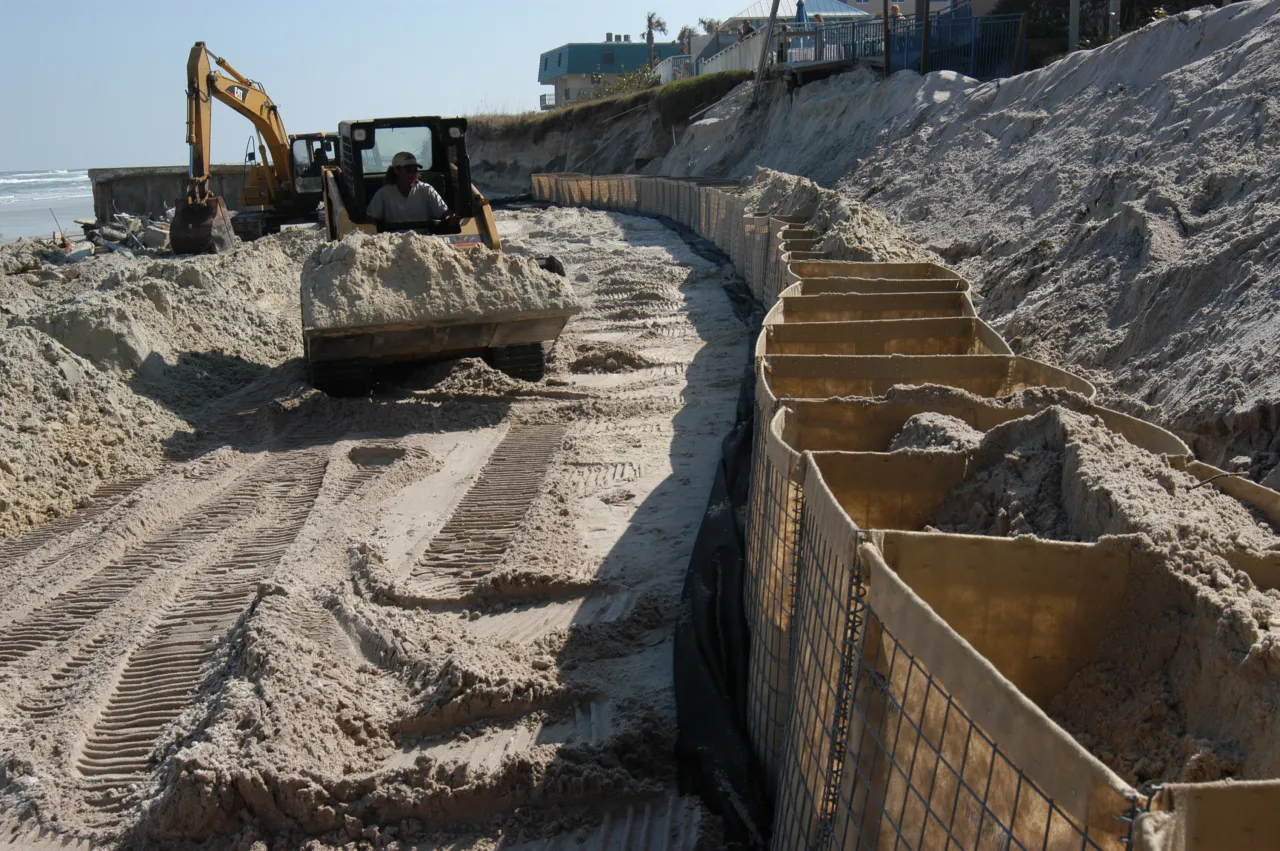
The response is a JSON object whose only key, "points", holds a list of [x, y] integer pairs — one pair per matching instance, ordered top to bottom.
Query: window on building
{"points": [[606, 57], [559, 59], [544, 63], [568, 94]]}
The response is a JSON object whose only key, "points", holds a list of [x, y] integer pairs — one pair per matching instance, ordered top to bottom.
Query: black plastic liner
{"points": [[713, 750]]}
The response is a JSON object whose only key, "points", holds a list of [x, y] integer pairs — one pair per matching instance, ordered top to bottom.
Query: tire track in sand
{"points": [[103, 500], [477, 534], [67, 612], [166, 669], [672, 823]]}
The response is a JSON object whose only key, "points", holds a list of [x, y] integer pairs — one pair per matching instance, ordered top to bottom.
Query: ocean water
{"points": [[27, 196]]}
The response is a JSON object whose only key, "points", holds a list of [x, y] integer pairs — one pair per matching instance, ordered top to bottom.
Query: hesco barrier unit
{"points": [[898, 679]]}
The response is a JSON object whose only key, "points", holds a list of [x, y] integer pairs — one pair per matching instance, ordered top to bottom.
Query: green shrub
{"points": [[678, 100], [675, 101]]}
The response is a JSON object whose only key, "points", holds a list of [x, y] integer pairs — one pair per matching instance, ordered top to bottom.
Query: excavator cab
{"points": [[365, 150], [311, 152]]}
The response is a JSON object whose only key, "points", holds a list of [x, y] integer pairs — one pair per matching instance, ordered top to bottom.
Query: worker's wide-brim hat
{"points": [[403, 159]]}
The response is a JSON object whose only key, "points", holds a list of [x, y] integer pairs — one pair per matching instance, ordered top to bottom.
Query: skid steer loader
{"points": [[340, 360]]}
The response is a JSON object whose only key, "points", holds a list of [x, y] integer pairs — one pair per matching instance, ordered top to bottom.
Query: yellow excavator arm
{"points": [[201, 220]]}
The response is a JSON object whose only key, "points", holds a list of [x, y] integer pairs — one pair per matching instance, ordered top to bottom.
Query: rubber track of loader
{"points": [[481, 528]]}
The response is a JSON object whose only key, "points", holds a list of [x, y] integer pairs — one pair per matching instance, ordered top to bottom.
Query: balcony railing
{"points": [[984, 47], [740, 56], [673, 68]]}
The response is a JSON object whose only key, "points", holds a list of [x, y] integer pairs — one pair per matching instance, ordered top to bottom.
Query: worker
{"points": [[319, 159], [405, 199]]}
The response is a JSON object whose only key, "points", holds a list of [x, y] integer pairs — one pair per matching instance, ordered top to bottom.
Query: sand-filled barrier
{"points": [[408, 278], [981, 606]]}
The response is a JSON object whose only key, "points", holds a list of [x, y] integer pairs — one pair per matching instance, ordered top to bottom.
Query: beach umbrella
{"points": [[802, 17]]}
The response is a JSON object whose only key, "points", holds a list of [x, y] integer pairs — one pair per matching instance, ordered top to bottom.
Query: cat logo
{"points": [[240, 93]]}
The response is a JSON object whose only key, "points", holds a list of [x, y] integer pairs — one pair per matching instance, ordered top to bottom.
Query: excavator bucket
{"points": [[201, 227]]}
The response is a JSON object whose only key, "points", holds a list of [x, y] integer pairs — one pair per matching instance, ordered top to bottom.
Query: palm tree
{"points": [[653, 24], [709, 25], [685, 38]]}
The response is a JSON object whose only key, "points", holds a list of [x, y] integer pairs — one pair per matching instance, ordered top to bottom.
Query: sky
{"points": [[93, 84]]}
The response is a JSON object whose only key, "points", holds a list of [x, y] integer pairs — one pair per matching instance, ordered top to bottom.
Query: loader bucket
{"points": [[202, 227]]}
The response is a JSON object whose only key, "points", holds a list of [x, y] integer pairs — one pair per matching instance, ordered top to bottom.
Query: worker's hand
{"points": [[449, 218]]}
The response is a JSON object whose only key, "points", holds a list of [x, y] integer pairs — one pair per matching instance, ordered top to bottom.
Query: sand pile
{"points": [[781, 194], [1115, 210], [849, 230], [859, 234], [27, 255], [397, 278], [591, 356], [109, 363], [466, 377], [65, 427], [930, 431], [1063, 475], [1184, 684]]}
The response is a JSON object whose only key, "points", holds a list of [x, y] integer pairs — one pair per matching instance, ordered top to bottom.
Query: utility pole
{"points": [[922, 9], [888, 41], [765, 51]]}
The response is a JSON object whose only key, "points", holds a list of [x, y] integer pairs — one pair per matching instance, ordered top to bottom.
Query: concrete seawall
{"points": [[150, 190]]}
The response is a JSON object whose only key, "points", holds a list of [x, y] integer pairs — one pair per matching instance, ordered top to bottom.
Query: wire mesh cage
{"points": [[544, 187], [573, 190], [626, 192], [601, 193], [646, 195], [670, 202], [782, 229], [737, 235], [756, 239], [918, 273], [773, 532], [825, 622], [882, 754], [917, 772]]}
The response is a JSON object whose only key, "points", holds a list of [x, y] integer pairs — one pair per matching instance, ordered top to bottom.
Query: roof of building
{"points": [[787, 10], [602, 57]]}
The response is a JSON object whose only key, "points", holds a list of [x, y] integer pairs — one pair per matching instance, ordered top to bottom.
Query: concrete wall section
{"points": [[150, 190]]}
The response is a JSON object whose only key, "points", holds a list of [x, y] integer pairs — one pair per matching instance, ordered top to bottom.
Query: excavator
{"points": [[286, 187]]}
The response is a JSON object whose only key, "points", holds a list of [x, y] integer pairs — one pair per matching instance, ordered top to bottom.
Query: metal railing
{"points": [[983, 47], [740, 56], [673, 68], [547, 101]]}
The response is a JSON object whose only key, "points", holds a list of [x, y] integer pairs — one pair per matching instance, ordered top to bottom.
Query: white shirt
{"points": [[392, 206]]}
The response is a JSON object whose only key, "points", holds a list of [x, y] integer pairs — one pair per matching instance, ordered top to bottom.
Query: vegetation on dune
{"points": [[679, 100], [675, 102]]}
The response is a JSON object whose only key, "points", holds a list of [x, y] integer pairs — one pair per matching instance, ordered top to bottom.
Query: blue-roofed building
{"points": [[574, 69]]}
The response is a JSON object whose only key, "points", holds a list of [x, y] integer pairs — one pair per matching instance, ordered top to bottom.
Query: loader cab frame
{"points": [[365, 149]]}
